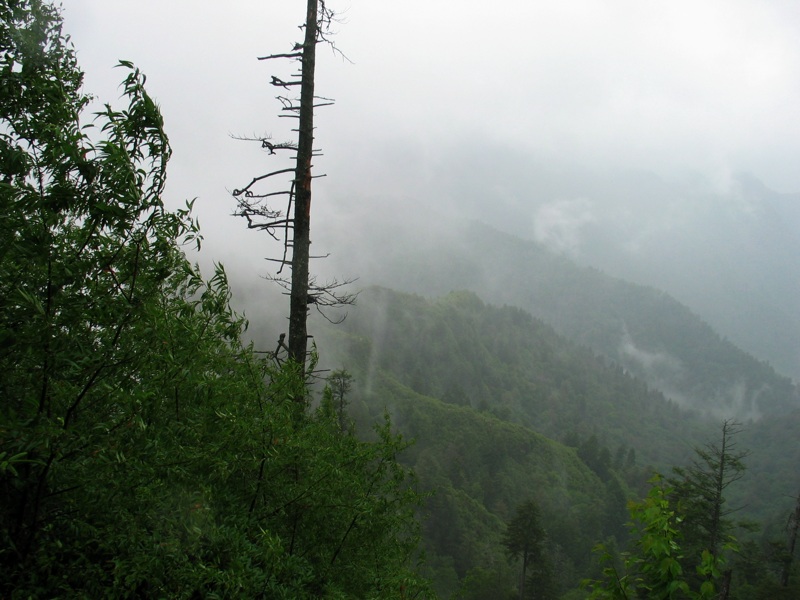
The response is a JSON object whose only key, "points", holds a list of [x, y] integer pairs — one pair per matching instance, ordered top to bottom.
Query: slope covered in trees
{"points": [[642, 329], [503, 361], [466, 380], [478, 469]]}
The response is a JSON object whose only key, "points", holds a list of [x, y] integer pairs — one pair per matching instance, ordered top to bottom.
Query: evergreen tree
{"points": [[340, 382], [699, 495], [525, 540]]}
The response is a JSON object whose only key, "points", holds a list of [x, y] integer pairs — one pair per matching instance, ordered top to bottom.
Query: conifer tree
{"points": [[699, 494], [524, 540]]}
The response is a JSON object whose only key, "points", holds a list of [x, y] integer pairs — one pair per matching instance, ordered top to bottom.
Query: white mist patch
{"points": [[559, 225], [377, 341], [653, 362], [660, 369], [666, 373], [735, 402]]}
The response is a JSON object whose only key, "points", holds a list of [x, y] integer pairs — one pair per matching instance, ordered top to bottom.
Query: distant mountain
{"points": [[721, 243], [729, 251], [642, 329]]}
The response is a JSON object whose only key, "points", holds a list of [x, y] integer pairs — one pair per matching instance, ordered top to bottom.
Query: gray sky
{"points": [[710, 86], [545, 118]]}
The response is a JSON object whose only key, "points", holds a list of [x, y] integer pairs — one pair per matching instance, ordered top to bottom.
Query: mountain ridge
{"points": [[644, 330]]}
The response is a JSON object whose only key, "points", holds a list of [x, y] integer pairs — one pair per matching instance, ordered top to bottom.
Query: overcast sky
{"points": [[710, 86]]}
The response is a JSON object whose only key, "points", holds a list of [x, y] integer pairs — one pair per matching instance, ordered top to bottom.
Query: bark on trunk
{"points": [[298, 309]]}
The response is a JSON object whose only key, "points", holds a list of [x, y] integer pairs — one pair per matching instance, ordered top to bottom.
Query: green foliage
{"points": [[145, 451], [479, 469], [699, 494], [524, 539], [655, 570]]}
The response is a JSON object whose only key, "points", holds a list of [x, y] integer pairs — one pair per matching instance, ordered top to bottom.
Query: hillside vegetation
{"points": [[642, 329], [505, 362], [486, 391]]}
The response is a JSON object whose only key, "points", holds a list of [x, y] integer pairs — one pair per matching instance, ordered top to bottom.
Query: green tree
{"points": [[86, 256], [340, 382], [144, 450], [699, 493], [792, 526], [524, 540], [654, 570]]}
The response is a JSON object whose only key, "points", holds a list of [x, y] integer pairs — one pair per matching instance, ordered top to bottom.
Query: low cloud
{"points": [[559, 225]]}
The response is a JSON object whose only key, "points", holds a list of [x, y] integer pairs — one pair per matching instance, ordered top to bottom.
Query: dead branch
{"points": [[324, 29], [271, 56], [278, 82], [265, 142], [267, 145], [255, 180], [268, 195], [329, 296], [281, 345]]}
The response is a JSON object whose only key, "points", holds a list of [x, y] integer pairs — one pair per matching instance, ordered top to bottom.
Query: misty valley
{"points": [[574, 397]]}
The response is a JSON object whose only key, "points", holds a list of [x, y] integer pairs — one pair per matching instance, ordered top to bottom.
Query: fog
{"points": [[656, 141]]}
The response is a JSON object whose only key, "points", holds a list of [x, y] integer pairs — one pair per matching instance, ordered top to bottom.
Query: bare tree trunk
{"points": [[294, 225], [298, 308], [718, 492], [794, 523], [725, 586]]}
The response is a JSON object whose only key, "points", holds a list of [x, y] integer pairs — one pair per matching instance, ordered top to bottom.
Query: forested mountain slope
{"points": [[726, 247], [642, 329], [505, 362], [471, 382], [479, 469]]}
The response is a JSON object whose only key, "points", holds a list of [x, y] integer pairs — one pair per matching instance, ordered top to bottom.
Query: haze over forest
{"points": [[658, 145], [574, 231]]}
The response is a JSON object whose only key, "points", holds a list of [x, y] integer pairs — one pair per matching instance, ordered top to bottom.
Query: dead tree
{"points": [[294, 226], [792, 526]]}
